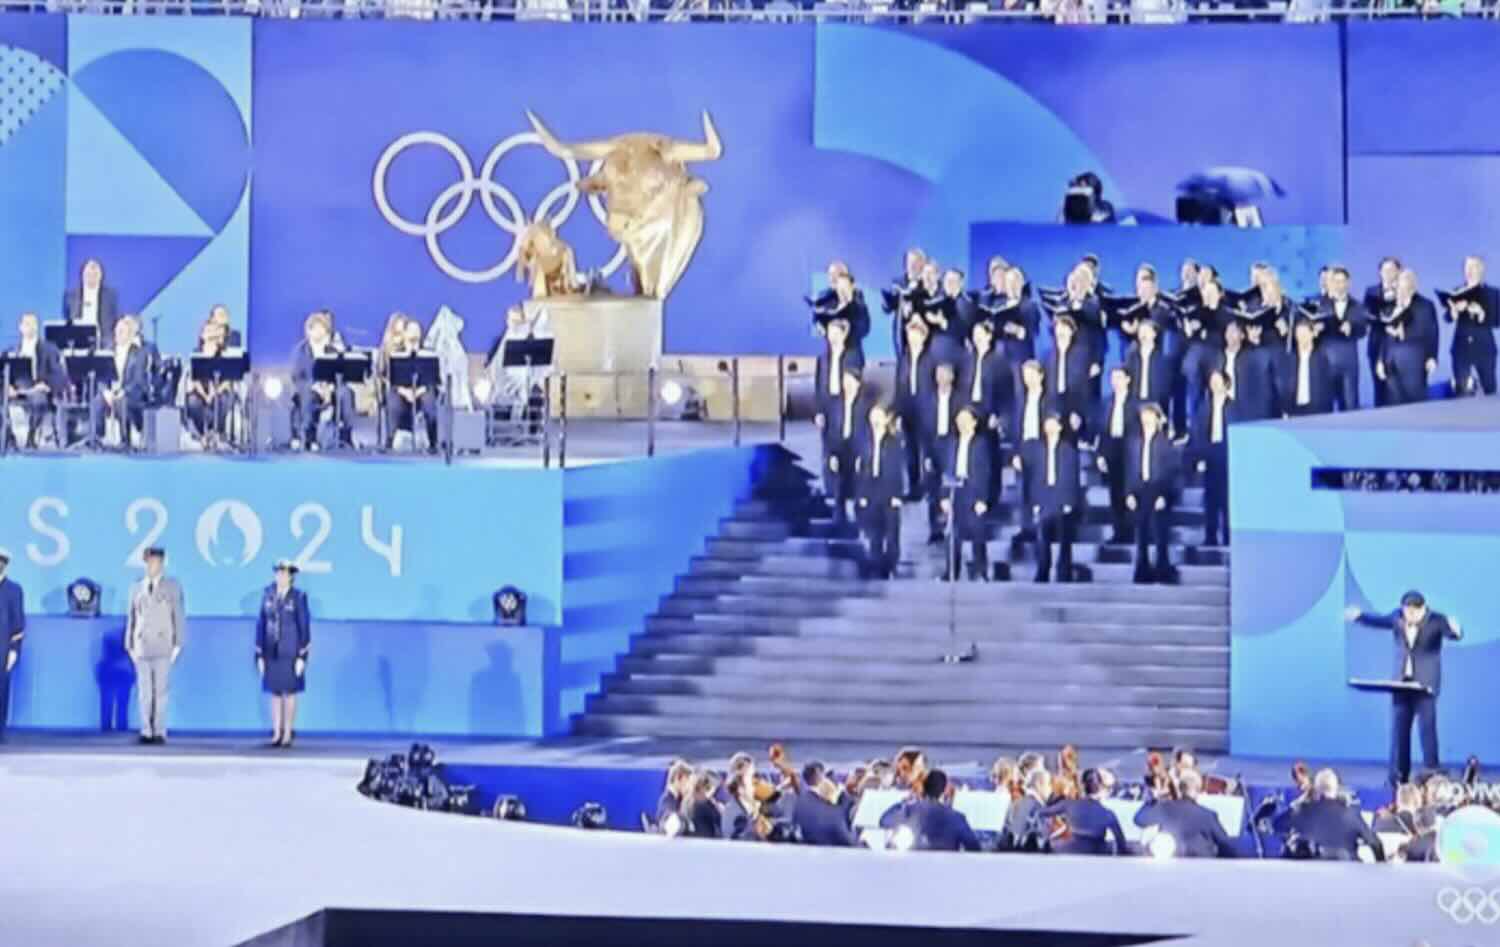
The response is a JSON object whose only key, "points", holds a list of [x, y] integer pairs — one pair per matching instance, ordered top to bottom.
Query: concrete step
{"points": [[765, 530], [729, 548], [1024, 550], [899, 591], [966, 626], [951, 691], [912, 706], [993, 733]]}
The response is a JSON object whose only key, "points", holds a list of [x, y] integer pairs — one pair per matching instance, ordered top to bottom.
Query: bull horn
{"points": [[710, 149], [578, 151]]}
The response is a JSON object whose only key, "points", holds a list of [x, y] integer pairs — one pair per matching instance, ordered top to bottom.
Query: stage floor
{"points": [[213, 843]]}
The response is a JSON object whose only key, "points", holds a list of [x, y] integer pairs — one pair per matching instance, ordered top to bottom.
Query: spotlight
{"points": [[271, 388], [483, 390], [672, 393], [83, 598], [510, 606], [509, 809], [590, 815], [672, 826], [903, 839], [1163, 846]]}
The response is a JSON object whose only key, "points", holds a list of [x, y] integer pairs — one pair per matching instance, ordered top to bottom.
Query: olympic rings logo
{"points": [[453, 202], [1470, 905]]}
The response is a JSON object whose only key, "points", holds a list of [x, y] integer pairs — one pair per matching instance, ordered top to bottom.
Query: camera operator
{"points": [[1084, 203], [1329, 825]]}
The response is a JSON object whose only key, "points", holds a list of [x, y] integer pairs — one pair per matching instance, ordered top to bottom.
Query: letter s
{"points": [[54, 533]]}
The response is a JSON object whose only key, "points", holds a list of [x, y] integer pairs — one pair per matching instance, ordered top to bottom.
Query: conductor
{"points": [[1418, 633]]}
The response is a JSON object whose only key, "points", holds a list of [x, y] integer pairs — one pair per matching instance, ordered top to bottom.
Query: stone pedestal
{"points": [[605, 345]]}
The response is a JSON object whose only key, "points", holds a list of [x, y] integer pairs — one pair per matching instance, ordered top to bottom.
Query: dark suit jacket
{"points": [[109, 311], [1355, 316], [1468, 333], [1419, 341], [849, 358], [50, 367], [136, 381], [1159, 381], [1319, 382], [994, 384], [1081, 388], [1254, 388], [906, 400], [1048, 404], [1103, 415], [927, 417], [833, 421], [1200, 438], [1163, 466], [977, 485], [878, 492], [1066, 492], [12, 614], [1426, 655], [821, 822], [937, 827], [1092, 827], [1195, 828], [1335, 828]]}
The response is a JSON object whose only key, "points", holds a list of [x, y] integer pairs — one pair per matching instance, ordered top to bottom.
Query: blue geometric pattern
{"points": [[26, 84]]}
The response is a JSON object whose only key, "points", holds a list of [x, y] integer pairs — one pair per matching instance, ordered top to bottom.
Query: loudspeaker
{"points": [[163, 430]]}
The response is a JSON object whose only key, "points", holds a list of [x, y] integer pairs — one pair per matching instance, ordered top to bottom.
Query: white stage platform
{"points": [[113, 848]]}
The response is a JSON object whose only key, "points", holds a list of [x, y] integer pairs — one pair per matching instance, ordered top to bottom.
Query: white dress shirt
{"points": [[88, 306], [122, 355], [1231, 360], [1062, 368], [835, 371], [912, 373], [1304, 381], [1145, 385], [978, 386], [849, 400], [944, 400], [1031, 416], [1117, 417], [1216, 421], [1146, 456], [875, 457], [1051, 463], [961, 468], [1409, 670]]}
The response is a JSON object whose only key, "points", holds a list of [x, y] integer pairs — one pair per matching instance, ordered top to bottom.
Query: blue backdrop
{"points": [[1300, 555]]}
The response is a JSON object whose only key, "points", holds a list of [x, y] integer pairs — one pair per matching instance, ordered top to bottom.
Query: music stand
{"points": [[71, 336], [528, 354], [217, 369], [339, 369], [14, 370], [419, 370], [88, 372], [1388, 687]]}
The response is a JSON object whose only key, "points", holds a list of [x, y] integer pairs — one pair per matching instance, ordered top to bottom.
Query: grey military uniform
{"points": [[154, 629]]}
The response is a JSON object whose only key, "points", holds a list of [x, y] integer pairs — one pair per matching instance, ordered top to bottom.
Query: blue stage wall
{"points": [[594, 548], [1301, 555]]}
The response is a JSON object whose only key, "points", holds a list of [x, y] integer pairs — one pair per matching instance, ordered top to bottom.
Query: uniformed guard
{"points": [[155, 627], [12, 630], [283, 635]]}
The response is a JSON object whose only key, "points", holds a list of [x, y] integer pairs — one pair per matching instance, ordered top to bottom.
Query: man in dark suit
{"points": [[1379, 302], [93, 303], [219, 316], [1342, 322], [1203, 330], [1474, 330], [1409, 352], [837, 355], [1152, 372], [1070, 374], [49, 376], [1304, 376], [914, 379], [985, 379], [1249, 384], [311, 398], [125, 399], [1033, 404], [842, 422], [1117, 424], [935, 425], [1209, 447], [968, 463], [1050, 467], [1150, 477], [877, 491], [12, 631], [1419, 634], [819, 819], [935, 826], [1333, 827], [1092, 828], [1194, 829]]}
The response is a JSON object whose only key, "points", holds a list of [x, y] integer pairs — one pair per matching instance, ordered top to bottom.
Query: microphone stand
{"points": [[954, 567]]}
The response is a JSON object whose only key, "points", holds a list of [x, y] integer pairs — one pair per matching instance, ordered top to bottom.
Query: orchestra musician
{"points": [[899, 299], [1380, 302], [93, 303], [1474, 309], [219, 316], [1342, 322], [1409, 352], [49, 377], [125, 398], [311, 399], [209, 404], [404, 404], [1117, 426], [1208, 444], [968, 463], [1050, 468], [1150, 477], [877, 488], [1092, 829], [1195, 829]]}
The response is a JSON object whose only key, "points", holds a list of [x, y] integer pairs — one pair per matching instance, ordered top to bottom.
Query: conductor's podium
{"points": [[605, 345]]}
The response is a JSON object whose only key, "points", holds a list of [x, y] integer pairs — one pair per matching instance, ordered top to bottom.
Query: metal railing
{"points": [[1062, 12]]}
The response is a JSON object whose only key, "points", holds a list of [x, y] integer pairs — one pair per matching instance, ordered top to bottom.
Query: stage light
{"points": [[271, 388], [483, 390], [671, 393], [678, 401], [83, 598], [510, 606], [509, 809], [590, 815], [672, 825], [873, 839], [903, 839], [1163, 846]]}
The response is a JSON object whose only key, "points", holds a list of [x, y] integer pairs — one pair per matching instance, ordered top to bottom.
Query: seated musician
{"points": [[93, 303], [219, 316], [48, 379], [124, 399], [311, 399], [403, 403], [208, 404], [1091, 828], [1195, 830]]}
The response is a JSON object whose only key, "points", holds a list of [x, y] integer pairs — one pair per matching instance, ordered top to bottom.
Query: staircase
{"points": [[771, 635]]}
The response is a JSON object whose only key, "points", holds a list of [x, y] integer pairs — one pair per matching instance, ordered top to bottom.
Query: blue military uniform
{"points": [[12, 630], [283, 634]]}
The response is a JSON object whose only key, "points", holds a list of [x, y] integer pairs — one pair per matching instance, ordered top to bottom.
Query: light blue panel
{"points": [[221, 45], [959, 138], [32, 162], [112, 189], [219, 274], [464, 531], [1454, 571], [364, 677]]}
